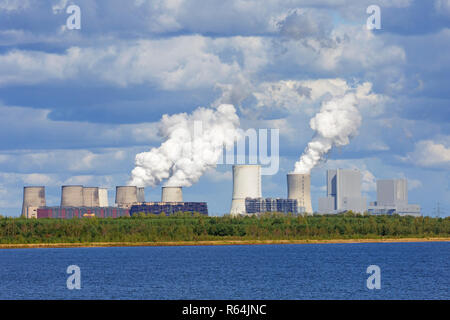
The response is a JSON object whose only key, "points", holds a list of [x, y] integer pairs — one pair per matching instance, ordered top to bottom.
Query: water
{"points": [[299, 271]]}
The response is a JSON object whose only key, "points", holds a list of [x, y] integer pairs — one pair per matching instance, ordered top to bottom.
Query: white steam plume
{"points": [[337, 121], [193, 144]]}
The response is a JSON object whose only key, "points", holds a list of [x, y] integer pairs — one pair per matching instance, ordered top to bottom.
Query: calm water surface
{"points": [[298, 271]]}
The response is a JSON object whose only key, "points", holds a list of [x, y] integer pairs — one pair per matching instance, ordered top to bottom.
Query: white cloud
{"points": [[14, 5], [59, 6], [442, 7], [184, 62], [430, 154], [218, 176], [414, 184]]}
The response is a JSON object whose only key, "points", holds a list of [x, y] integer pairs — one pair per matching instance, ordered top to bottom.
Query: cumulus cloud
{"points": [[304, 23], [184, 62], [429, 154]]}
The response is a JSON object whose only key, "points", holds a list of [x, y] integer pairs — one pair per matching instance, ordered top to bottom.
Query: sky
{"points": [[76, 106]]}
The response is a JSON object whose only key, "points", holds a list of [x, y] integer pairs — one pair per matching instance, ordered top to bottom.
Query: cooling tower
{"points": [[246, 183], [299, 188], [171, 194], [141, 195], [72, 196], [126, 196], [32, 197], [91, 197], [102, 197]]}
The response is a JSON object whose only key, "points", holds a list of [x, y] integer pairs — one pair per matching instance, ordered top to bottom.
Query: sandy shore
{"points": [[211, 243]]}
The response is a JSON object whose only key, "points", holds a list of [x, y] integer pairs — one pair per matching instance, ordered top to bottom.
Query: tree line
{"points": [[188, 227]]}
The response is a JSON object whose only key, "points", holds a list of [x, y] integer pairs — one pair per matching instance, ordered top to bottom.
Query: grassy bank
{"points": [[183, 228], [214, 243]]}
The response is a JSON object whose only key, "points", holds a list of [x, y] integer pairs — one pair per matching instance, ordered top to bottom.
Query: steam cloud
{"points": [[337, 121], [193, 144]]}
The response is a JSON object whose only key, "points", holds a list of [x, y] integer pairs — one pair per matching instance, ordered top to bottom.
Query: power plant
{"points": [[246, 184], [299, 188], [344, 193], [171, 194], [72, 196], [126, 196], [33, 197], [91, 197], [247, 198], [392, 198], [80, 202]]}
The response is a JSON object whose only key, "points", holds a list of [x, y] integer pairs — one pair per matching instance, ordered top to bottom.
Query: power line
{"points": [[439, 210]]}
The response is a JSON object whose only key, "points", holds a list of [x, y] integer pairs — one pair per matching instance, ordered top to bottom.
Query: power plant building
{"points": [[246, 184], [299, 188], [343, 192], [171, 194], [126, 196], [33, 198], [392, 198], [85, 202], [261, 205], [169, 208], [81, 212]]}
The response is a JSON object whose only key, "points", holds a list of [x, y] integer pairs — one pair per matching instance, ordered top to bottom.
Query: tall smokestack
{"points": [[246, 183], [299, 188], [172, 194], [71, 196], [126, 196], [32, 197], [91, 197]]}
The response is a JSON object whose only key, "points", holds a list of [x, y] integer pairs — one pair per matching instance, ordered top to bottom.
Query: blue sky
{"points": [[76, 106]]}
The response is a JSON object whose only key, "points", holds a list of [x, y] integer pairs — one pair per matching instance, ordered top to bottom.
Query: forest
{"points": [[187, 227]]}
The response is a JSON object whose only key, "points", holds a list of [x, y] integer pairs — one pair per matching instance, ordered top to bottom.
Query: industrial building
{"points": [[343, 192], [126, 196], [247, 197], [392, 198], [82, 202], [171, 202], [261, 205], [169, 208], [81, 212]]}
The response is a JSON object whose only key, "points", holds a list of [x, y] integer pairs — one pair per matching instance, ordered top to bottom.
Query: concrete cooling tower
{"points": [[246, 183], [299, 188], [171, 194], [141, 195], [72, 196], [126, 196], [32, 197], [91, 197], [102, 197]]}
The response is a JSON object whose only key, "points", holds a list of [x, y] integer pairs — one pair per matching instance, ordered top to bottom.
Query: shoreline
{"points": [[216, 243]]}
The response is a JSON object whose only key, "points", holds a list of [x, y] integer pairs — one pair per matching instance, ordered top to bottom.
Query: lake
{"points": [[294, 271]]}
